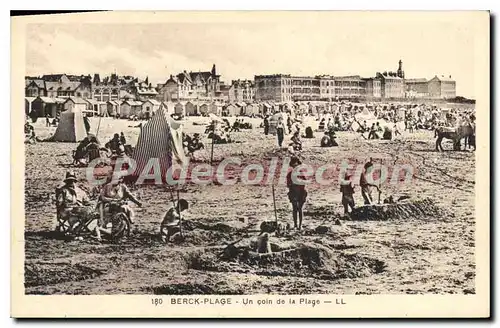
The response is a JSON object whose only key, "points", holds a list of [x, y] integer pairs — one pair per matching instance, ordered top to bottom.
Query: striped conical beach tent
{"points": [[160, 141]]}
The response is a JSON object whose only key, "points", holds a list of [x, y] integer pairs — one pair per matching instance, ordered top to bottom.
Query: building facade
{"points": [[59, 86], [189, 86], [392, 86], [112, 87], [276, 87], [326, 87], [348, 87], [442, 87], [35, 88], [305, 88], [373, 88], [416, 88], [241, 91]]}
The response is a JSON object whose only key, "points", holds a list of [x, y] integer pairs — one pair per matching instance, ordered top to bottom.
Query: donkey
{"points": [[455, 134]]}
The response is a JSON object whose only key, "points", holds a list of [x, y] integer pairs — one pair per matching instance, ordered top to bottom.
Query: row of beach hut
{"points": [[41, 106]]}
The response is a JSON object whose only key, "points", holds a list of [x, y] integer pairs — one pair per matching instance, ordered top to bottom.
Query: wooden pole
{"points": [[98, 126], [213, 135], [274, 203], [179, 211]]}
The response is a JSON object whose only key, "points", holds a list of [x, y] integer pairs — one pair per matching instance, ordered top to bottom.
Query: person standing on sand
{"points": [[266, 125], [280, 131], [122, 139], [347, 191], [366, 191], [297, 193]]}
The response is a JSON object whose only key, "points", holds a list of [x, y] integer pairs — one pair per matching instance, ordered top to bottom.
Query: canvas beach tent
{"points": [[364, 115], [71, 127], [160, 141]]}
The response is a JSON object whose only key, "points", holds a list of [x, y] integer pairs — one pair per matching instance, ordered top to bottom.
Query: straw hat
{"points": [[70, 176]]}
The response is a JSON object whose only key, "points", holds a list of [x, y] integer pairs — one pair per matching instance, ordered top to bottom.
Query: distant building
{"points": [[400, 72], [59, 85], [189, 86], [392, 86], [112, 87], [276, 87], [326, 87], [350, 87], [442, 87], [35, 88], [285, 88], [304, 88], [373, 88], [417, 88], [143, 91], [241, 91], [223, 93]]}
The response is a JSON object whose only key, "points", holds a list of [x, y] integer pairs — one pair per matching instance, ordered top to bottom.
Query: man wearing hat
{"points": [[71, 200], [171, 220]]}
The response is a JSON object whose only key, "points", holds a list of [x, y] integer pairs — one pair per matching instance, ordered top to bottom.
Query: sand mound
{"points": [[418, 209], [304, 260], [51, 274]]}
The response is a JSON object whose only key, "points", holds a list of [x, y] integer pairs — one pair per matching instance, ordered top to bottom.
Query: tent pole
{"points": [[98, 126], [212, 151], [274, 203], [179, 212]]}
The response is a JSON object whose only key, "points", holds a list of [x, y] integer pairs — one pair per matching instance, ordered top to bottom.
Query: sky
{"points": [[244, 49]]}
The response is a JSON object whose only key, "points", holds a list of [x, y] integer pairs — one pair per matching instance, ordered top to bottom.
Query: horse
{"points": [[455, 134]]}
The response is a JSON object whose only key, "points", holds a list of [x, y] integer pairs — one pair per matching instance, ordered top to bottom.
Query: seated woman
{"points": [[387, 134], [114, 143], [80, 154], [114, 192]]}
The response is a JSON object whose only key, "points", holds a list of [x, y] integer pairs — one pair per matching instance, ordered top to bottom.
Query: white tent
{"points": [[70, 128]]}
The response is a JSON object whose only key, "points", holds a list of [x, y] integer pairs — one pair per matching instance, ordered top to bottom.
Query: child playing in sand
{"points": [[347, 191], [172, 220]]}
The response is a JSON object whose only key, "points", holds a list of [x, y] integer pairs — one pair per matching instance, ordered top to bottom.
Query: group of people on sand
{"points": [[89, 148], [297, 193], [74, 206]]}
